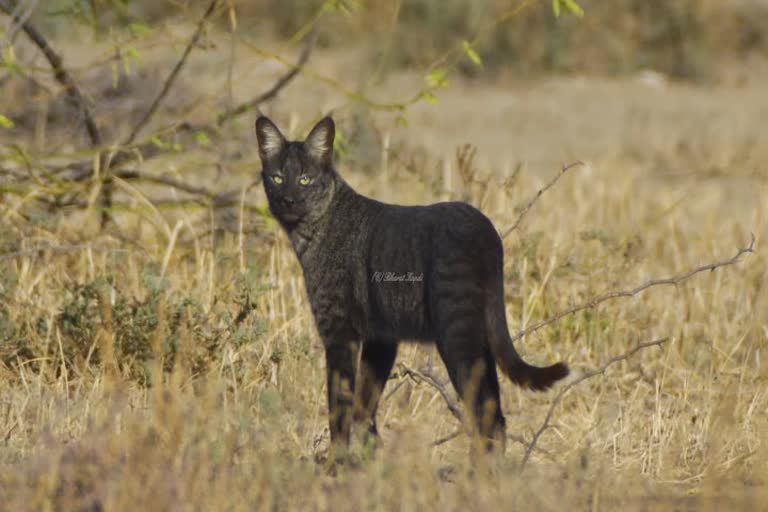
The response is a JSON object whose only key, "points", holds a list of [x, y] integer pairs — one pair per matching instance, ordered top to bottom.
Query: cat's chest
{"points": [[326, 275], [331, 293]]}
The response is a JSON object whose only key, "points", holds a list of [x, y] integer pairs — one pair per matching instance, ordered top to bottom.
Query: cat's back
{"points": [[449, 219]]}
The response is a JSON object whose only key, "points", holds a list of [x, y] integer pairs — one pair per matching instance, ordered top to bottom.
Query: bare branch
{"points": [[24, 11], [60, 73], [174, 73], [276, 87], [131, 150], [163, 180], [535, 198], [206, 199], [218, 200], [634, 291], [426, 375], [588, 375], [393, 390], [453, 435], [518, 439], [521, 440]]}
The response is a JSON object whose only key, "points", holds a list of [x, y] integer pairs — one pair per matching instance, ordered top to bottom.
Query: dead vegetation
{"points": [[157, 350]]}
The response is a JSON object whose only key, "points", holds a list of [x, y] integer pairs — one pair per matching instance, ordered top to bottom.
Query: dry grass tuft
{"points": [[236, 417]]}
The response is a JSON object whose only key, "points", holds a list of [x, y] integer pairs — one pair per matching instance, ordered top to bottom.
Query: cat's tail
{"points": [[520, 372]]}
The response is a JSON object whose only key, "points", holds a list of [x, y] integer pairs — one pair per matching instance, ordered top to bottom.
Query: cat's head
{"points": [[298, 176]]}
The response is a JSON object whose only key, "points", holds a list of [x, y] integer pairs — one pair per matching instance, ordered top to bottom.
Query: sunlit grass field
{"points": [[169, 360]]}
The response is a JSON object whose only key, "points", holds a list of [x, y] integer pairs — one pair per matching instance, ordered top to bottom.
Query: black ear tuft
{"points": [[271, 141], [319, 142]]}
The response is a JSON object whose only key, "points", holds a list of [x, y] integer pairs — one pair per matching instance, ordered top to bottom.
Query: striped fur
{"points": [[377, 274]]}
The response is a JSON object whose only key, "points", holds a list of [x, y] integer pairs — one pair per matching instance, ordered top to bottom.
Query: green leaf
{"points": [[571, 5], [346, 7], [556, 7], [574, 7], [139, 29], [133, 54], [472, 54], [9, 61], [115, 75], [438, 77], [429, 97], [5, 122], [202, 139], [340, 145]]}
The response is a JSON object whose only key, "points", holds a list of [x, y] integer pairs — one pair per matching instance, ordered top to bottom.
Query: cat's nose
{"points": [[289, 201]]}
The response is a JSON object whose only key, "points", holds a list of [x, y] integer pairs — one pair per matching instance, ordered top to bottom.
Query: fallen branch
{"points": [[60, 73], [535, 198], [634, 291], [546, 424]]}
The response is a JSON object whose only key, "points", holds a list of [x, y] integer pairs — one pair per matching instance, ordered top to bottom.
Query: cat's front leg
{"points": [[340, 359], [376, 361]]}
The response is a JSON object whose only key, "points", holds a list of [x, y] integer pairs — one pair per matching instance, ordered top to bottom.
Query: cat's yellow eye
{"points": [[278, 180], [305, 180]]}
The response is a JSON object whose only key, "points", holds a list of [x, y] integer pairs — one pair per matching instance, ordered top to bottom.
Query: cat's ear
{"points": [[271, 141], [319, 142]]}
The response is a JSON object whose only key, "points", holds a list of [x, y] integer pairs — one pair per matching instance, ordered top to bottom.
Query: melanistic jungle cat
{"points": [[377, 274]]}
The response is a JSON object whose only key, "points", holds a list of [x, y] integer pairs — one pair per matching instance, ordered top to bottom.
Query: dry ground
{"points": [[676, 177]]}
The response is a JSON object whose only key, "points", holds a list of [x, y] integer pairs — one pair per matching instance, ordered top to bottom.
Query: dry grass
{"points": [[216, 397], [241, 424]]}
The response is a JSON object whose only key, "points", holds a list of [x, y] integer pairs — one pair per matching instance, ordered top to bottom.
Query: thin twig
{"points": [[24, 11], [60, 73], [172, 76], [275, 89], [170, 182], [535, 198], [222, 199], [634, 291], [588, 375], [427, 376], [393, 390], [453, 435], [518, 439], [521, 440]]}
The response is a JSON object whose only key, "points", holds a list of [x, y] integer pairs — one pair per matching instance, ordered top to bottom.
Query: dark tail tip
{"points": [[539, 379]]}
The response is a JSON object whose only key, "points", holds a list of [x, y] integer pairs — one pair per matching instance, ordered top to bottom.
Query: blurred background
{"points": [[513, 78], [137, 253]]}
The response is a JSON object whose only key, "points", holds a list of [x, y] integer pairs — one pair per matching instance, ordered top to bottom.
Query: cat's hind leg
{"points": [[472, 369]]}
